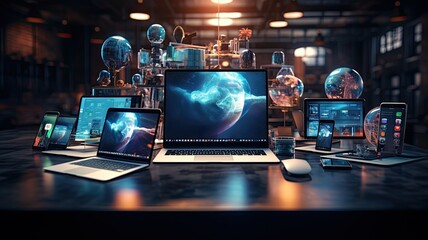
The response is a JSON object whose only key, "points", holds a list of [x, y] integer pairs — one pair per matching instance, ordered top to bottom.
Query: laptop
{"points": [[215, 115], [90, 120], [126, 145]]}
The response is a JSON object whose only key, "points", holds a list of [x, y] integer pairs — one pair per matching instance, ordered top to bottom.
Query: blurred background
{"points": [[50, 49]]}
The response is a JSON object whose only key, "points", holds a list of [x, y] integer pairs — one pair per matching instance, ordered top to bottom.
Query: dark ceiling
{"points": [[336, 19]]}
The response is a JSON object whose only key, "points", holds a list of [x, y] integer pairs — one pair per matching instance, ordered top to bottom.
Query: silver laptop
{"points": [[215, 116], [89, 125], [126, 145]]}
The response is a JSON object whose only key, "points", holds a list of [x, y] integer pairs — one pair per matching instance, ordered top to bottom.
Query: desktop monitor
{"points": [[93, 110], [348, 115]]}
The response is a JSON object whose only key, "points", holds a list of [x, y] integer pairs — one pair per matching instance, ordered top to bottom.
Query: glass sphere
{"points": [[156, 33], [116, 53], [278, 57], [247, 59], [103, 78], [137, 79], [343, 82], [286, 89], [371, 125]]}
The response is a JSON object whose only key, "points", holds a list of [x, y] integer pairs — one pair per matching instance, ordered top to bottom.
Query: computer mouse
{"points": [[296, 166]]}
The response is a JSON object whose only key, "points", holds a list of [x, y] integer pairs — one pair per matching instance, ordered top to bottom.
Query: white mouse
{"points": [[296, 166]]}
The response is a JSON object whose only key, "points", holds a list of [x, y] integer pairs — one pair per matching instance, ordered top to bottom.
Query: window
{"points": [[391, 40], [311, 56]]}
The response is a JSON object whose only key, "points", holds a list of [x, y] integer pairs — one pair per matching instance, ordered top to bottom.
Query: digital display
{"points": [[225, 108], [92, 113], [348, 115], [392, 124], [62, 131], [44, 133], [129, 134], [325, 135]]}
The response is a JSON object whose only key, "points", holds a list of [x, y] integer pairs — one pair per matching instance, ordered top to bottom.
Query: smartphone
{"points": [[392, 126], [44, 133], [325, 135], [335, 163]]}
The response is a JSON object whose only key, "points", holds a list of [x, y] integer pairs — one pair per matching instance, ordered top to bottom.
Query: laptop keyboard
{"points": [[215, 152], [105, 164]]}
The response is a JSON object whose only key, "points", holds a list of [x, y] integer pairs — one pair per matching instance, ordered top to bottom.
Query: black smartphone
{"points": [[392, 126], [62, 132], [44, 133], [325, 135], [335, 163]]}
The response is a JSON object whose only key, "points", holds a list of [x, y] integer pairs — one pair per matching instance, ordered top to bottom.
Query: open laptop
{"points": [[215, 115], [89, 125], [126, 145]]}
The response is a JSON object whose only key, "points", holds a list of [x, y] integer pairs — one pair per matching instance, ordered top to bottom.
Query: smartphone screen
{"points": [[392, 124], [44, 133], [325, 135], [335, 163]]}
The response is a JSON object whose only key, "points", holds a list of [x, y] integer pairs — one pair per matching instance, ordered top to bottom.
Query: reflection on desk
{"points": [[247, 200]]}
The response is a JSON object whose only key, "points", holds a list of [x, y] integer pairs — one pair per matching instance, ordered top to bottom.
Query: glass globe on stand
{"points": [[156, 36], [116, 53], [343, 82], [286, 90]]}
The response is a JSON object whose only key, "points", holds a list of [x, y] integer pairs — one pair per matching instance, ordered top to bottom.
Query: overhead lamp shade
{"points": [[292, 10], [397, 13], [139, 14], [34, 16], [64, 31], [319, 39]]}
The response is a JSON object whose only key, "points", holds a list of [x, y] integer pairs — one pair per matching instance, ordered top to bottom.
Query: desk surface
{"points": [[206, 188]]}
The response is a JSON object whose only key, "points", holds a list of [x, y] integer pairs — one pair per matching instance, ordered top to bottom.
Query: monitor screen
{"points": [[226, 107], [93, 110], [348, 115]]}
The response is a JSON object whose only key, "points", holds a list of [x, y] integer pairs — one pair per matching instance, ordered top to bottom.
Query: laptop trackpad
{"points": [[222, 158], [81, 170]]}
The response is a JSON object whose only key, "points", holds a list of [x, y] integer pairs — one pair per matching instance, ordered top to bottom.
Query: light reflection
{"points": [[236, 190], [126, 199]]}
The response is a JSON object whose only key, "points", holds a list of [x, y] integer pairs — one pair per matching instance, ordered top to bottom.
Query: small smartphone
{"points": [[392, 126], [44, 133], [325, 135], [335, 163]]}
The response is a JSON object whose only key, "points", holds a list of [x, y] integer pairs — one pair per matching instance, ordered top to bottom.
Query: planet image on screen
{"points": [[217, 104]]}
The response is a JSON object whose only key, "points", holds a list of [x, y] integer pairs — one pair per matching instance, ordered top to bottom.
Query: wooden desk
{"points": [[202, 200]]}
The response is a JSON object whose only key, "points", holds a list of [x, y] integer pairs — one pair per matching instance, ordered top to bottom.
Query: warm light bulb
{"points": [[221, 1], [293, 14], [139, 16], [222, 22], [278, 24]]}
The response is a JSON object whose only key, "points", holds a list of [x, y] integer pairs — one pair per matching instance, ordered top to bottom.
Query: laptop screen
{"points": [[215, 108], [92, 112], [129, 133]]}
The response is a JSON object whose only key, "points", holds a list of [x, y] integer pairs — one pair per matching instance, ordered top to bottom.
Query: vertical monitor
{"points": [[347, 114]]}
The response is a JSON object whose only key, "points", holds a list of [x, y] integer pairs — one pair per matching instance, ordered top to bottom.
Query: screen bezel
{"points": [[306, 103], [327, 122], [235, 144]]}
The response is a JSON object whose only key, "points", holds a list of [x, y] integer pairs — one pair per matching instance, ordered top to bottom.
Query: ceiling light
{"points": [[221, 1], [292, 10], [397, 13], [229, 14], [139, 15], [34, 16], [220, 22], [278, 24], [64, 31]]}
